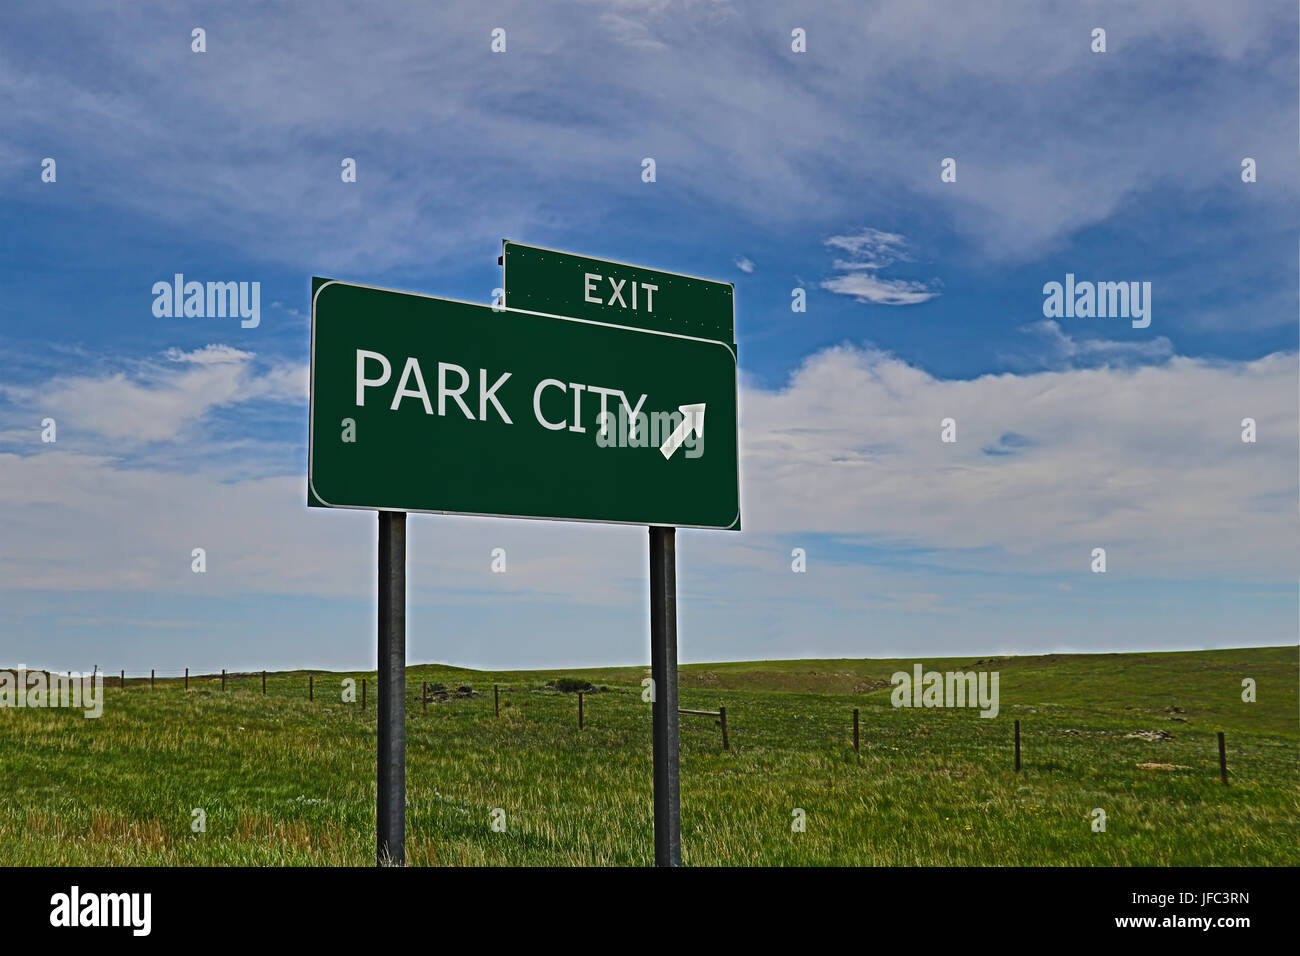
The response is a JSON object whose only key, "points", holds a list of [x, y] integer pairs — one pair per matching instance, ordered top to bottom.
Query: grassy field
{"points": [[285, 781]]}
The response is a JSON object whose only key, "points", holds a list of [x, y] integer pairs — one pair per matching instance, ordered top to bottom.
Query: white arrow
{"points": [[692, 421]]}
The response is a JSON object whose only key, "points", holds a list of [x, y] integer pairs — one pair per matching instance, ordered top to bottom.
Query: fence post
{"points": [[151, 678], [187, 678], [223, 678], [122, 681], [263, 683], [311, 688], [363, 693], [424, 694], [496, 701], [579, 710], [855, 730], [726, 741], [1017, 746], [1223, 760]]}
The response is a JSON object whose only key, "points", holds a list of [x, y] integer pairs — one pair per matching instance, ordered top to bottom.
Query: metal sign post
{"points": [[663, 671], [390, 810]]}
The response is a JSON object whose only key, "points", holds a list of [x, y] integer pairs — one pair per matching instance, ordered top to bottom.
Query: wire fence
{"points": [[952, 740]]}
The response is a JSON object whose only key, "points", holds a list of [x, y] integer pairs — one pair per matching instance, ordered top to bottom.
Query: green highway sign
{"points": [[563, 283], [583, 397], [434, 405]]}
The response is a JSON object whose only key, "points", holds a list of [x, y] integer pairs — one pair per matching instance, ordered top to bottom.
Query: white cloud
{"points": [[630, 32], [880, 89], [870, 250], [745, 264], [867, 288], [1067, 347], [208, 355], [284, 383], [162, 397], [1146, 462]]}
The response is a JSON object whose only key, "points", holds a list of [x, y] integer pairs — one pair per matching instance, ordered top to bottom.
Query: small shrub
{"points": [[570, 685]]}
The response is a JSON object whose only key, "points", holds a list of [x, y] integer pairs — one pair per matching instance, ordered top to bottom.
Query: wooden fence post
{"points": [[151, 678], [187, 678], [223, 678], [122, 681], [263, 683], [424, 694], [579, 710], [720, 713], [855, 730], [1017, 746], [1223, 760]]}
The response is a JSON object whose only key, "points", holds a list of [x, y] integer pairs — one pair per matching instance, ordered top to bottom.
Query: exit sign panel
{"points": [[601, 290]]}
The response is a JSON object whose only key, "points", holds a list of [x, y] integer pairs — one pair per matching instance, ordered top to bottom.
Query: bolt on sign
{"points": [[434, 405]]}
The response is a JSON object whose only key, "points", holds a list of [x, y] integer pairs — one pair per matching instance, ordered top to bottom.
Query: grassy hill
{"points": [[285, 780]]}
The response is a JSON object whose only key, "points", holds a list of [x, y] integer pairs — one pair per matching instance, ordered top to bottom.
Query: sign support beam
{"points": [[663, 670], [390, 809]]}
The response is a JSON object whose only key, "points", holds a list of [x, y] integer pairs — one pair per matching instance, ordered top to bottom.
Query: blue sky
{"points": [[775, 170]]}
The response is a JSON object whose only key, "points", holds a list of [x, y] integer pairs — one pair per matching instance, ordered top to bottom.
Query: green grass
{"points": [[285, 781]]}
